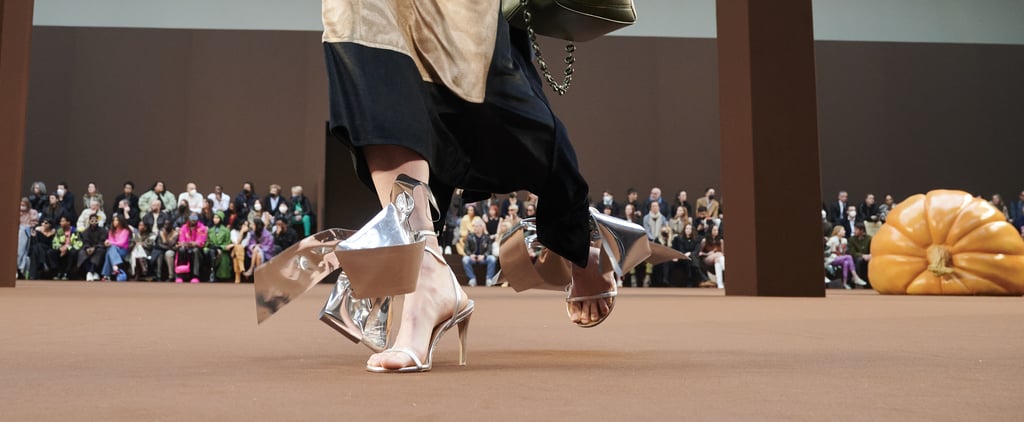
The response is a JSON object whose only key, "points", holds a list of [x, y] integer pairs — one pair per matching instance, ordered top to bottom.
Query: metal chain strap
{"points": [[559, 88]]}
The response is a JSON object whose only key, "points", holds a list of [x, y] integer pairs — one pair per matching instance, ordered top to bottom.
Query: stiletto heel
{"points": [[460, 318], [463, 334]]}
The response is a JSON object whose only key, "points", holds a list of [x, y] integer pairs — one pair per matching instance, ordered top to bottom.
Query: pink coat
{"points": [[190, 235]]}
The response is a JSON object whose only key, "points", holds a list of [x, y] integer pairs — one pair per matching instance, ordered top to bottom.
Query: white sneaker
{"points": [[447, 250], [90, 276], [472, 282], [490, 282], [860, 282]]}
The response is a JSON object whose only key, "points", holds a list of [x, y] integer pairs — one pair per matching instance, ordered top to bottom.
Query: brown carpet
{"points": [[138, 351]]}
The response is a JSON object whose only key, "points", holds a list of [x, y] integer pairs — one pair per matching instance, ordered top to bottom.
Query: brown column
{"points": [[15, 35], [771, 178]]}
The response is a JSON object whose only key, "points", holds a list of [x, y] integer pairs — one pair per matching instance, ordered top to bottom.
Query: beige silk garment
{"points": [[451, 41]]}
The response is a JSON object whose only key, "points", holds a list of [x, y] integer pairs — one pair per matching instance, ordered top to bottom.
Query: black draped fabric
{"points": [[512, 141]]}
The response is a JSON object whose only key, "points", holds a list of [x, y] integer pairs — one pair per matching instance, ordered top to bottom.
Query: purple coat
{"points": [[266, 243]]}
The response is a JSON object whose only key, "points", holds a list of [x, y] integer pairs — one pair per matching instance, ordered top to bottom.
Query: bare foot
{"points": [[588, 282], [431, 304]]}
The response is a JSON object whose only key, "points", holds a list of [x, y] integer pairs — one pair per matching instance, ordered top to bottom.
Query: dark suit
{"points": [[661, 203], [616, 208], [836, 211], [848, 225]]}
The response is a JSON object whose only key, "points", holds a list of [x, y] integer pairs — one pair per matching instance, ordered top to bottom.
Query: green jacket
{"points": [[167, 198], [218, 237], [60, 238], [860, 246]]}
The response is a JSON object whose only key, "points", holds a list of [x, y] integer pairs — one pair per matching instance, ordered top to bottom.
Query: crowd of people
{"points": [[156, 236], [193, 237]]}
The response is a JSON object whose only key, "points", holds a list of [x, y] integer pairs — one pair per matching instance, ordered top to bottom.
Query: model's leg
{"points": [[434, 299]]}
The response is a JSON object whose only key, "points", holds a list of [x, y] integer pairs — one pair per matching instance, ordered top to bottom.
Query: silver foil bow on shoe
{"points": [[372, 264], [526, 264]]}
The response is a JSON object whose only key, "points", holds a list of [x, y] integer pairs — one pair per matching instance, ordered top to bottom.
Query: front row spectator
{"points": [[93, 210], [284, 235], [218, 239], [239, 239], [119, 240], [145, 241], [191, 241], [66, 244], [690, 245], [40, 246], [261, 246], [860, 250], [478, 252], [713, 254], [162, 255], [839, 256], [90, 257]]}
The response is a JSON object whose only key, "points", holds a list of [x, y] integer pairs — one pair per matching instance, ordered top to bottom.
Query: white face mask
{"points": [[192, 191], [60, 192], [608, 199], [257, 206], [24, 208], [282, 208], [852, 214]]}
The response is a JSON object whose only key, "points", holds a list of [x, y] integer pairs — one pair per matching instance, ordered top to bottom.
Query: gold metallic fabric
{"points": [[451, 41]]}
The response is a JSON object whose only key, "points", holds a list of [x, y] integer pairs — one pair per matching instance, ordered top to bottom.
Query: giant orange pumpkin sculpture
{"points": [[947, 243]]}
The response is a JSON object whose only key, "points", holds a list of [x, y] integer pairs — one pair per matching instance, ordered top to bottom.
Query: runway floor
{"points": [[140, 351]]}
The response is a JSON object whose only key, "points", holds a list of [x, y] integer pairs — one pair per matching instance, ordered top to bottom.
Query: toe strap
{"points": [[408, 352]]}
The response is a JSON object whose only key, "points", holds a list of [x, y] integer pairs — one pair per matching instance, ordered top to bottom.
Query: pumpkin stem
{"points": [[940, 261]]}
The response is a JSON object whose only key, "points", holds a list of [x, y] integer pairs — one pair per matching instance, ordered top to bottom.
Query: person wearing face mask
{"points": [[193, 197], [66, 198], [273, 200], [608, 203], [709, 203], [259, 214], [849, 220]]}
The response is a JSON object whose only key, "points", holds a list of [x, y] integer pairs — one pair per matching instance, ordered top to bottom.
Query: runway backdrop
{"points": [[223, 106]]}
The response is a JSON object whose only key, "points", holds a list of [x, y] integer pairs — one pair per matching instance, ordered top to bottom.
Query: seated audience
{"points": [[128, 192], [158, 193], [91, 194], [38, 197], [192, 197], [66, 198], [247, 198], [655, 198], [273, 199], [221, 200], [997, 201], [681, 202], [710, 204], [887, 205], [608, 206], [633, 208], [94, 209], [837, 209], [868, 210], [54, 211], [302, 212], [127, 213], [258, 213], [180, 214], [206, 214], [155, 217], [28, 220], [491, 220], [654, 221], [465, 227], [284, 235], [218, 239], [191, 241], [239, 241], [66, 244], [690, 244], [40, 245], [118, 245], [142, 247], [260, 248], [860, 250], [477, 251], [93, 252], [712, 254], [839, 256], [161, 258], [660, 272]]}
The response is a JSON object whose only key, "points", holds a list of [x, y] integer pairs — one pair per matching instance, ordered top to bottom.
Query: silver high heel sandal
{"points": [[617, 247], [360, 305], [459, 318]]}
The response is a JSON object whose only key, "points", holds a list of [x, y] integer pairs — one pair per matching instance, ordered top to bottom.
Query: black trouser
{"points": [[191, 256], [212, 258], [39, 260], [91, 263], [156, 263], [62, 264], [860, 265]]}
